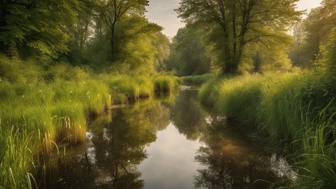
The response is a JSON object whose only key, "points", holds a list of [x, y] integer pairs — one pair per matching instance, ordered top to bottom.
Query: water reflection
{"points": [[188, 115], [156, 145], [116, 146], [171, 162], [232, 163]]}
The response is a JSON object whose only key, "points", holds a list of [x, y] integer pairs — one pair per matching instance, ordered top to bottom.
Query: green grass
{"points": [[196, 80], [164, 84], [41, 108], [296, 110], [16, 158]]}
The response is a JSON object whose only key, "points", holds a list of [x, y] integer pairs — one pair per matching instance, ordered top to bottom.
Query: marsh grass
{"points": [[164, 84], [273, 102], [43, 108], [296, 110], [16, 157], [317, 163]]}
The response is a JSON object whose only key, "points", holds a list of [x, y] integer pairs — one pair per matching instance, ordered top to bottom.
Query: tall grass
{"points": [[164, 84], [278, 103], [41, 108], [289, 108], [15, 159], [317, 162]]}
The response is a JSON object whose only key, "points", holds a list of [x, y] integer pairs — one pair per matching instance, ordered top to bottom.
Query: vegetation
{"points": [[235, 26], [311, 33], [188, 53], [61, 61], [261, 64], [196, 79], [276, 82], [288, 107], [38, 116]]}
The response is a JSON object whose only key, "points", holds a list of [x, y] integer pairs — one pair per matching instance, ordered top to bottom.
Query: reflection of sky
{"points": [[162, 12], [171, 161]]}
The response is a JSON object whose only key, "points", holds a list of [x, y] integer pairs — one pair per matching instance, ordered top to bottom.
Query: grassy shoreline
{"points": [[43, 108], [295, 110]]}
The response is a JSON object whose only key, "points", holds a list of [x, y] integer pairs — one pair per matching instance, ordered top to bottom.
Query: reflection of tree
{"points": [[187, 115], [121, 147], [116, 149], [231, 164]]}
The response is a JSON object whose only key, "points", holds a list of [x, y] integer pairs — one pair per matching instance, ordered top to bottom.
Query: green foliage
{"points": [[233, 25], [30, 26], [318, 26], [100, 34], [139, 47], [188, 53], [328, 59], [164, 84], [277, 103], [46, 106], [296, 109], [318, 163]]}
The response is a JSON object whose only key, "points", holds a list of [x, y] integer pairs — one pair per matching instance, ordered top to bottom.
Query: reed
{"points": [[41, 108], [296, 110]]}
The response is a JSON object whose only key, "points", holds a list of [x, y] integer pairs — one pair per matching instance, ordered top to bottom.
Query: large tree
{"points": [[112, 11], [241, 22], [318, 26], [188, 53]]}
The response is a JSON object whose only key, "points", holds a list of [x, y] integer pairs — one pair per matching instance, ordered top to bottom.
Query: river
{"points": [[163, 144]]}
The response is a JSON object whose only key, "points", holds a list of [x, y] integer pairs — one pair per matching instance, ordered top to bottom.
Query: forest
{"points": [[264, 65]]}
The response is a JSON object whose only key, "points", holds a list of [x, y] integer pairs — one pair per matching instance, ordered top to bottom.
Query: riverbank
{"points": [[196, 80], [43, 107], [294, 110]]}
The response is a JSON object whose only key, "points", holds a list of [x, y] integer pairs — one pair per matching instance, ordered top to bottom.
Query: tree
{"points": [[112, 11], [240, 22], [36, 26], [318, 26], [162, 44], [136, 47], [136, 50], [298, 51], [188, 53], [270, 54], [328, 54]]}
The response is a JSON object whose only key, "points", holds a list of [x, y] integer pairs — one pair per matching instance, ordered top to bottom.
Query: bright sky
{"points": [[162, 12]]}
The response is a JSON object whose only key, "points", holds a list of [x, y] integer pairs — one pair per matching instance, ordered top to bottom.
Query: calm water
{"points": [[167, 144]]}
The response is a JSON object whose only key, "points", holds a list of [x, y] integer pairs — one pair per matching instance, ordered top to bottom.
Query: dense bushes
{"points": [[47, 106]]}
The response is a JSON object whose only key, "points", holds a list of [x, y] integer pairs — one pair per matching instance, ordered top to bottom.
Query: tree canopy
{"points": [[240, 23], [111, 34], [188, 52]]}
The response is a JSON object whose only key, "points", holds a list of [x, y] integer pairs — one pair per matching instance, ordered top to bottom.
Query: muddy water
{"points": [[167, 144]]}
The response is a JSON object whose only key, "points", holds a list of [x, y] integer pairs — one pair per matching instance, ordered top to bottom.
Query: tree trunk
{"points": [[113, 38], [257, 63], [231, 67]]}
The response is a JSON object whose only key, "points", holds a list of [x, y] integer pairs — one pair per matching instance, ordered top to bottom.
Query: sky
{"points": [[162, 12]]}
